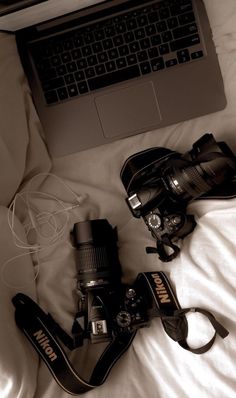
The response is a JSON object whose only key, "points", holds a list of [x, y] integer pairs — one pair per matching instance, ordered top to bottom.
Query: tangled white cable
{"points": [[44, 227]]}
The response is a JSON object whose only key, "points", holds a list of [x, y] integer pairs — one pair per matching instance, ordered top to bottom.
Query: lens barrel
{"points": [[208, 164], [96, 254]]}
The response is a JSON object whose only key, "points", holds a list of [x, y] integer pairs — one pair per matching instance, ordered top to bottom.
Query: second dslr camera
{"points": [[160, 183]]}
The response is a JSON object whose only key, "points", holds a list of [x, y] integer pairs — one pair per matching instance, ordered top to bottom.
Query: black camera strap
{"points": [[172, 315], [41, 330]]}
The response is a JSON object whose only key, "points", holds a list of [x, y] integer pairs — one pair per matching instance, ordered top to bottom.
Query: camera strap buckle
{"points": [[160, 249]]}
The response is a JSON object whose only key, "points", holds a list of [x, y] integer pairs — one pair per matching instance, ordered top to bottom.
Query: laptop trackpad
{"points": [[128, 110]]}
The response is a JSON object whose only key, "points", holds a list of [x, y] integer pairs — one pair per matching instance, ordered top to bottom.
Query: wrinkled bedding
{"points": [[203, 275]]}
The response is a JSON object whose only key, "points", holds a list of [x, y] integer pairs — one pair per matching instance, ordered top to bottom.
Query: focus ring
{"points": [[193, 182]]}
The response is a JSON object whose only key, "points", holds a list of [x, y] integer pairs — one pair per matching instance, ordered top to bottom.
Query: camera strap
{"points": [[173, 318], [41, 330]]}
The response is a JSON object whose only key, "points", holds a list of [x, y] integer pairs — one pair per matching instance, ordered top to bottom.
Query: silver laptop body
{"points": [[162, 49]]}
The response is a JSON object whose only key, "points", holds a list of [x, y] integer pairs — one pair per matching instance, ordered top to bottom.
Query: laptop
{"points": [[117, 68]]}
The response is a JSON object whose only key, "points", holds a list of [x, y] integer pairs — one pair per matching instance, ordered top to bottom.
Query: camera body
{"points": [[160, 184], [106, 307]]}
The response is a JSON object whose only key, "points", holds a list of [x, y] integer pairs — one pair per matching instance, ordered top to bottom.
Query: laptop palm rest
{"points": [[128, 110]]}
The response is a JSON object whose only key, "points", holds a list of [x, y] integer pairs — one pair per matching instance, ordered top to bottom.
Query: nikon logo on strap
{"points": [[160, 289], [44, 342]]}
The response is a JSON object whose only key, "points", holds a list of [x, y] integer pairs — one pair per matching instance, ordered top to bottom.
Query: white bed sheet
{"points": [[204, 274]]}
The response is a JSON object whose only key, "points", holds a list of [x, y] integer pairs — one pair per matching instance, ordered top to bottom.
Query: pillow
{"points": [[22, 150], [18, 361]]}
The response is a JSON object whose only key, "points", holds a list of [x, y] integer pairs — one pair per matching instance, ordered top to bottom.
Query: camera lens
{"points": [[212, 166], [96, 255]]}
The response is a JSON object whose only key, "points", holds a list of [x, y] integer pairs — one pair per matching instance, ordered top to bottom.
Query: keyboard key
{"points": [[177, 9], [164, 13], [153, 17], [118, 18], [186, 18], [142, 20], [172, 23], [131, 24], [161, 26], [121, 27], [150, 30], [109, 31], [184, 31], [139, 33], [99, 35], [166, 36], [129, 37], [88, 38], [118, 40], [156, 40], [78, 41], [184, 42], [145, 43], [107, 44], [68, 45], [97, 47], [134, 47], [58, 48], [164, 49], [123, 50], [47, 51], [86, 51], [153, 52], [113, 53], [76, 54], [197, 54], [142, 56], [183, 56], [66, 57], [102, 57], [131, 59], [56, 60], [92, 60], [171, 62], [82, 63], [121, 63], [43, 64], [157, 64], [110, 66], [71, 67], [145, 68], [100, 69], [61, 70], [89, 72], [47, 74], [79, 75], [115, 77], [69, 79], [53, 84], [82, 87], [72, 90], [62, 93], [51, 97]]}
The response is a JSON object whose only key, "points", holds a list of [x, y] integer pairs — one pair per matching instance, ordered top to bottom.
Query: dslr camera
{"points": [[160, 183], [106, 307]]}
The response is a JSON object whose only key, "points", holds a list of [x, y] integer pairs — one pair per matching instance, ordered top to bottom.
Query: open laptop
{"points": [[117, 68]]}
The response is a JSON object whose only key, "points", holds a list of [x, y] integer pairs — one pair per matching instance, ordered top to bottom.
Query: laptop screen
{"points": [[16, 15]]}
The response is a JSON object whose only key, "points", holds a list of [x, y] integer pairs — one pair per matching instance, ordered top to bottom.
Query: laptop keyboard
{"points": [[136, 43]]}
